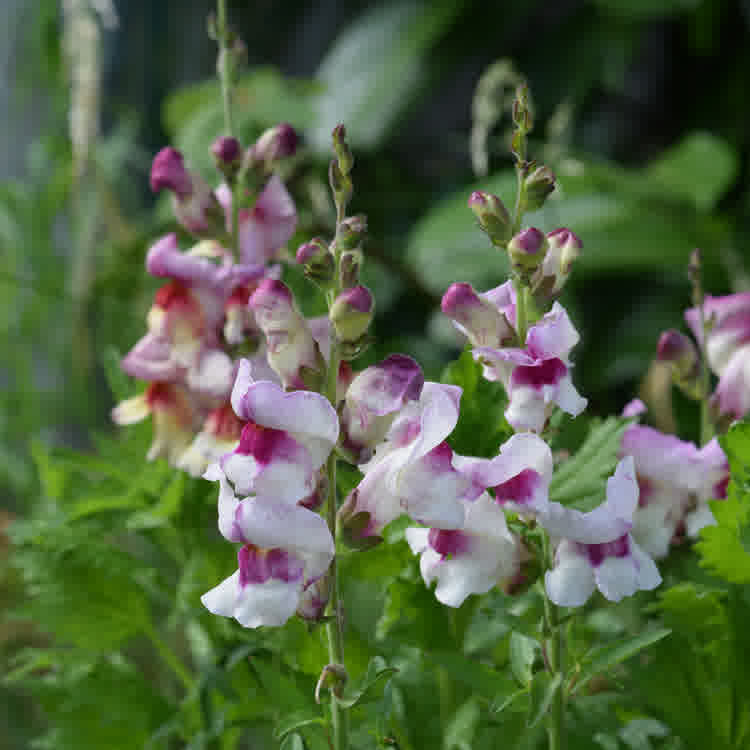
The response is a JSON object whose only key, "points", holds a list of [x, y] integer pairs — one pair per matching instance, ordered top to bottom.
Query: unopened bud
{"points": [[522, 118], [276, 143], [343, 153], [227, 154], [168, 171], [340, 183], [537, 186], [492, 215], [351, 232], [564, 248], [527, 249], [317, 260], [350, 265], [352, 312], [680, 353], [355, 525], [312, 603]]}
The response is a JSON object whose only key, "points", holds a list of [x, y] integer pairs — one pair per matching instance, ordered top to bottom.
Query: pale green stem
{"points": [[224, 69], [521, 312], [335, 626], [555, 649], [170, 658]]}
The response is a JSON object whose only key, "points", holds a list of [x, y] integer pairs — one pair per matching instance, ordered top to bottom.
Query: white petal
{"points": [[568, 398], [526, 409], [417, 539], [648, 574], [617, 577], [571, 582], [221, 599], [271, 603]]}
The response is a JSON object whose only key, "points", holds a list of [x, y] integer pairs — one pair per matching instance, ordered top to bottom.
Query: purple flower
{"points": [[483, 318]]}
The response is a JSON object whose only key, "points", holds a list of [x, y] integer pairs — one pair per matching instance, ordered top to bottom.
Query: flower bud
{"points": [[278, 142], [343, 153], [227, 154], [341, 184], [537, 186], [195, 205], [492, 215], [351, 231], [564, 248], [527, 250], [317, 260], [349, 266], [352, 312], [476, 317], [680, 353], [356, 525], [312, 603]]}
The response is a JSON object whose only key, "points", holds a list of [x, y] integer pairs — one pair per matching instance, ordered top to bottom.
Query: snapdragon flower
{"points": [[727, 345], [536, 377], [285, 440], [412, 471], [676, 481], [596, 550], [481, 554]]}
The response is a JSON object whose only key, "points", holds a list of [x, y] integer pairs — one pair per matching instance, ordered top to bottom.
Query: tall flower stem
{"points": [[224, 66], [695, 272], [521, 311], [555, 650], [170, 658]]}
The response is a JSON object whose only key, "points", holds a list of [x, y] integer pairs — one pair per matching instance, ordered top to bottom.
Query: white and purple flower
{"points": [[727, 345], [412, 471], [596, 550], [472, 559]]}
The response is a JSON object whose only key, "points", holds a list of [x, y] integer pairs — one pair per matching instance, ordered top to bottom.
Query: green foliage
{"points": [[581, 479], [725, 547]]}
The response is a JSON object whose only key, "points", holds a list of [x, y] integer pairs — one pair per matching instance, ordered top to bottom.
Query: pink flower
{"points": [[195, 204], [267, 226], [485, 319], [727, 348], [220, 434], [470, 560]]}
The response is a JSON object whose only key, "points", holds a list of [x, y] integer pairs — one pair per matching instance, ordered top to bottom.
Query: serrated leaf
{"points": [[581, 480], [167, 507], [523, 654], [602, 658], [370, 688], [541, 693], [297, 720]]}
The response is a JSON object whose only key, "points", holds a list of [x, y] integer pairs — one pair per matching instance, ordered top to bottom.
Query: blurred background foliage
{"points": [[641, 110]]}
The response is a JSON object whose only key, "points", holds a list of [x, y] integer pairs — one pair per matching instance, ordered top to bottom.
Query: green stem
{"points": [[224, 67], [521, 312], [335, 625], [555, 648], [170, 658]]}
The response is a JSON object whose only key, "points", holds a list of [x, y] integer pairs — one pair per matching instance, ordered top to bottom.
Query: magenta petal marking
{"points": [[548, 372], [263, 443], [720, 488], [518, 489], [448, 542], [598, 553]]}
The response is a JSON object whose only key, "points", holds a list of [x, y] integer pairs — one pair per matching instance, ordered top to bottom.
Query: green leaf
{"points": [[643, 9], [375, 69], [700, 168], [481, 427], [581, 480], [167, 507], [725, 547], [523, 654], [603, 658], [482, 680], [370, 688], [542, 693], [504, 701], [297, 720], [460, 730], [293, 742]]}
